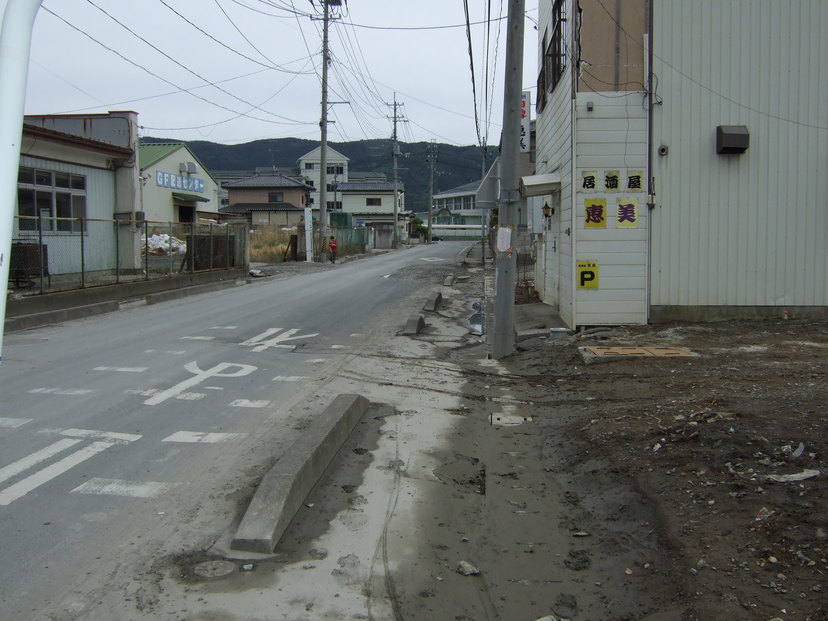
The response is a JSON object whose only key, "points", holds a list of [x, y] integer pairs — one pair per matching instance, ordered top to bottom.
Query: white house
{"points": [[683, 160]]}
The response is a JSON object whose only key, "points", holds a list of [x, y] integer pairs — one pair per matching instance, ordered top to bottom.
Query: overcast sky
{"points": [[233, 71]]}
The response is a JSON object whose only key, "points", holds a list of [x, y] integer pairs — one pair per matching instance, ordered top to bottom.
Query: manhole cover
{"points": [[214, 569]]}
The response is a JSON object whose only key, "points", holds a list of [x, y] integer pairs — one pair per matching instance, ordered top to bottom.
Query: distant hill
{"points": [[455, 165]]}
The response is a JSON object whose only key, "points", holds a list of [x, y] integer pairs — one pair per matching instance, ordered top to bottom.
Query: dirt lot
{"points": [[674, 469]]}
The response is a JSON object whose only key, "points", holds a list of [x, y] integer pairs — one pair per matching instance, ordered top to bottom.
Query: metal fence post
{"points": [[211, 246], [40, 247], [192, 247], [146, 250], [170, 250], [117, 253], [83, 255]]}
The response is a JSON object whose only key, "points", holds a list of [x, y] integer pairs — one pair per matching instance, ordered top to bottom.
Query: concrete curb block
{"points": [[449, 281], [176, 294], [434, 301], [24, 322], [414, 325], [283, 490]]}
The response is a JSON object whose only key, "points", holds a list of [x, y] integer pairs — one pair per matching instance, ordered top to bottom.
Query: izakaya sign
{"points": [[179, 182]]}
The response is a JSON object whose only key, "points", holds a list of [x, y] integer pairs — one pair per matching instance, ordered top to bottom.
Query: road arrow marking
{"points": [[260, 344]]}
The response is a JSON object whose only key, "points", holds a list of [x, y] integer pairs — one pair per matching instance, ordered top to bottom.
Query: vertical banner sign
{"points": [[525, 121], [588, 183], [587, 275]]}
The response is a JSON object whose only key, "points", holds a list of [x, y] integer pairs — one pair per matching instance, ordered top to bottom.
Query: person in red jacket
{"points": [[332, 247]]}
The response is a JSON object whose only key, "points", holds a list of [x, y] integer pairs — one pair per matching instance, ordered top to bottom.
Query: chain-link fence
{"points": [[55, 254]]}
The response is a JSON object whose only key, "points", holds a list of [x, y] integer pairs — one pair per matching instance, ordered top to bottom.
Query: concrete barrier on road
{"points": [[434, 301], [413, 326], [285, 487]]}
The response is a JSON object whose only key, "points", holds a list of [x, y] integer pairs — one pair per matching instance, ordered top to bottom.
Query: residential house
{"points": [[681, 153], [176, 187], [267, 199], [455, 213]]}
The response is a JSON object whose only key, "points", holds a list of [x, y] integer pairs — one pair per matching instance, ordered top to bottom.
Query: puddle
{"points": [[477, 321]]}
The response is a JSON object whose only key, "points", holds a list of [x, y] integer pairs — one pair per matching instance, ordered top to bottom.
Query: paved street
{"points": [[141, 428]]}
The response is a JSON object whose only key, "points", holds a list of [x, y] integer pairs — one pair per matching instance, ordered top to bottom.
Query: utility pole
{"points": [[323, 126], [395, 150], [431, 157], [503, 339]]}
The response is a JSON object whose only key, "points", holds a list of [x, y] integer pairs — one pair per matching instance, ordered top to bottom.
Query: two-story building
{"points": [[682, 180], [267, 199]]}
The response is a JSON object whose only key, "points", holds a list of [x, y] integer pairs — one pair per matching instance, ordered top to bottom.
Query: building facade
{"points": [[680, 180], [175, 186], [268, 199]]}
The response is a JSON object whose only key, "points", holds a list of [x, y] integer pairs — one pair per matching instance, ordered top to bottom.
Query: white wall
{"points": [[612, 138], [750, 229]]}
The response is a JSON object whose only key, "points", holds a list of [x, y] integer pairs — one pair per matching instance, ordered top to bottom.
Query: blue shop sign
{"points": [[179, 182]]}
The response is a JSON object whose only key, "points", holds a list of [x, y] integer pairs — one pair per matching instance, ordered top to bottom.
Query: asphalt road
{"points": [[121, 428]]}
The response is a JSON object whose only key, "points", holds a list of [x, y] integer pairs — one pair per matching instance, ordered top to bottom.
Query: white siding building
{"points": [[660, 211]]}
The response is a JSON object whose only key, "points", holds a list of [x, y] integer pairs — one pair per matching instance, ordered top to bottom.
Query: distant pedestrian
{"points": [[332, 247]]}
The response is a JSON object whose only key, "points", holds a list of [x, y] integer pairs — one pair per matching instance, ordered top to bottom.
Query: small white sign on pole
{"points": [[308, 234]]}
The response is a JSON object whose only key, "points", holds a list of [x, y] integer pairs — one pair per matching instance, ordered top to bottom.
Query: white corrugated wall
{"points": [[749, 229]]}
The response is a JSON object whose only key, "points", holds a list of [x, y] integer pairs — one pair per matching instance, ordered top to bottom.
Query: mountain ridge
{"points": [[455, 165]]}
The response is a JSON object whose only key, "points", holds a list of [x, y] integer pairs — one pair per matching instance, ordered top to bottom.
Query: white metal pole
{"points": [[15, 45]]}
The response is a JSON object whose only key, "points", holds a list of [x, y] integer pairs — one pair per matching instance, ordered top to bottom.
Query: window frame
{"points": [[58, 201]]}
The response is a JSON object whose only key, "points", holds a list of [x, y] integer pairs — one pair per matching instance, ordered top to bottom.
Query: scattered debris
{"points": [[465, 568]]}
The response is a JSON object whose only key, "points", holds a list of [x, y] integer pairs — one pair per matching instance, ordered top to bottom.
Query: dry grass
{"points": [[268, 244]]}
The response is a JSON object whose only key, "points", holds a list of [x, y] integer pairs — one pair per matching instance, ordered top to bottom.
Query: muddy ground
{"points": [[540, 487], [646, 488]]}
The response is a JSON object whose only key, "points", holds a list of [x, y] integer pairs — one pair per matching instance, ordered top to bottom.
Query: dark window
{"points": [[554, 55], [308, 165], [336, 170], [275, 197], [373, 202], [58, 203]]}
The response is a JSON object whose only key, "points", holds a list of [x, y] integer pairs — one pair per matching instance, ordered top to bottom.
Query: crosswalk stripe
{"points": [[14, 422], [199, 437], [21, 465], [23, 487], [119, 487]]}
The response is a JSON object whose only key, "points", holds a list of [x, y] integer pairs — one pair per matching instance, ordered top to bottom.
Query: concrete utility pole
{"points": [[16, 23], [323, 126], [396, 153], [431, 157], [503, 339]]}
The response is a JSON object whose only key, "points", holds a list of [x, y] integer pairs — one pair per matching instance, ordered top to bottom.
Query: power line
{"points": [[155, 75]]}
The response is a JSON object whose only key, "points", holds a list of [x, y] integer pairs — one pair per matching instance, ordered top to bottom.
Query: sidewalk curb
{"points": [[284, 488]]}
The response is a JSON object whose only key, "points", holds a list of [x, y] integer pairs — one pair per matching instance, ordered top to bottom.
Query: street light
{"points": [[547, 210]]}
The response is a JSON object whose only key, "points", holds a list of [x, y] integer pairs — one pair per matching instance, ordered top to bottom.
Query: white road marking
{"points": [[432, 259], [387, 276], [223, 327], [356, 335], [197, 338], [259, 343], [338, 347], [174, 352], [316, 360], [122, 369], [198, 377], [289, 378], [68, 392], [184, 396], [244, 403], [14, 422], [101, 435], [198, 437], [35, 458], [23, 487], [119, 487]]}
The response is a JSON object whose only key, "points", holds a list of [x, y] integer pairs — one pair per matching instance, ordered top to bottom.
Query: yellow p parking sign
{"points": [[587, 275]]}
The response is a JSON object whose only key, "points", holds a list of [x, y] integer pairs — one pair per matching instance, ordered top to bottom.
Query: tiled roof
{"points": [[267, 181], [368, 187], [469, 188], [246, 207]]}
